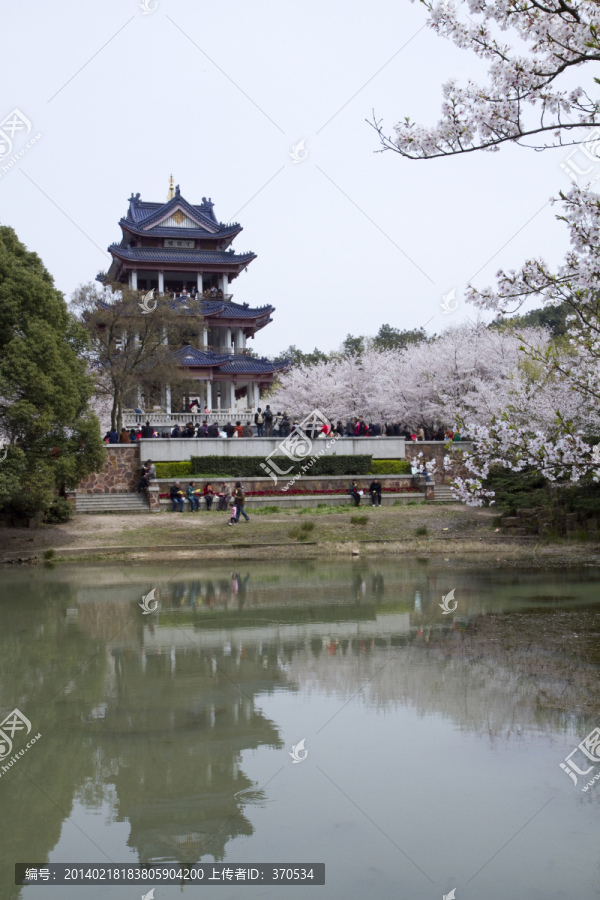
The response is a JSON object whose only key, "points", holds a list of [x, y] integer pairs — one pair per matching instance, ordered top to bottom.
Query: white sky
{"points": [[217, 94]]}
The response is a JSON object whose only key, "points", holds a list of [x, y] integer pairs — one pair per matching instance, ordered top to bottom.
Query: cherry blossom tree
{"points": [[532, 47], [469, 372], [552, 445]]}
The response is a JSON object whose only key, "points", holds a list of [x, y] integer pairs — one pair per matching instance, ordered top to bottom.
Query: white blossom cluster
{"points": [[531, 47], [469, 372], [552, 441]]}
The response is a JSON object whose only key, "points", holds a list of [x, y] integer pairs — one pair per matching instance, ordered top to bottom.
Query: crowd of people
{"points": [[280, 425], [228, 499]]}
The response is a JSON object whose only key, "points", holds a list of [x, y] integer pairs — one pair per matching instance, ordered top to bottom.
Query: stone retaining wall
{"points": [[121, 472]]}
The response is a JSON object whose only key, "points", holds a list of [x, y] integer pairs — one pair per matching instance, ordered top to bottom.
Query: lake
{"points": [[428, 743]]}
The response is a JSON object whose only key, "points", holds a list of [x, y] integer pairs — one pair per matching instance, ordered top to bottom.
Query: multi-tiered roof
{"points": [[180, 240]]}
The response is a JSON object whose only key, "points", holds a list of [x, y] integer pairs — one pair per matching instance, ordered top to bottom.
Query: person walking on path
{"points": [[259, 421], [375, 492], [354, 493], [191, 495], [208, 496], [177, 497], [240, 502]]}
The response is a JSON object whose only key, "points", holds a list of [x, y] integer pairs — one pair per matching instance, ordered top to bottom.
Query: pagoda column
{"points": [[133, 279], [161, 282], [199, 282], [224, 283], [204, 336], [242, 339], [228, 340], [209, 394], [256, 394], [232, 396], [168, 398]]}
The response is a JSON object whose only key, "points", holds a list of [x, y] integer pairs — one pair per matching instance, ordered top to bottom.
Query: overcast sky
{"points": [[218, 94]]}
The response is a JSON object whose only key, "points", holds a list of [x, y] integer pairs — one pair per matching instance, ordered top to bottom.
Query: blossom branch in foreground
{"points": [[524, 101]]}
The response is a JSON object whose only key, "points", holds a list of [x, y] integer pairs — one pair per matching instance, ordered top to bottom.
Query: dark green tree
{"points": [[551, 317], [388, 338], [353, 346], [298, 357], [54, 438]]}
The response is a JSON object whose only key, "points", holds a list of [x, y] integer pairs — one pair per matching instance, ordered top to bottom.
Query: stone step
{"points": [[443, 494], [92, 503]]}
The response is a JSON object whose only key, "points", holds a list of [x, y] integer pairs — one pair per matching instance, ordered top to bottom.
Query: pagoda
{"points": [[181, 250]]}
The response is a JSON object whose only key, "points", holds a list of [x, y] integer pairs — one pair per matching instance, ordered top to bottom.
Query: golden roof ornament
{"points": [[171, 193]]}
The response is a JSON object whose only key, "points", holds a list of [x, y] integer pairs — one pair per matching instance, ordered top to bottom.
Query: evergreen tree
{"points": [[388, 338], [54, 439]]}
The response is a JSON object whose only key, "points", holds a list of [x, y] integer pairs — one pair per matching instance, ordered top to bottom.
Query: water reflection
{"points": [[152, 714]]}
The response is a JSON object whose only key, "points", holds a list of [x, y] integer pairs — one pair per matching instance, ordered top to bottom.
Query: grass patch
{"points": [[323, 509], [265, 510], [359, 520], [421, 530], [301, 532], [49, 554]]}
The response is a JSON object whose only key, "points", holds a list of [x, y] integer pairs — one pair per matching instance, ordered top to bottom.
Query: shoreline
{"points": [[447, 530]]}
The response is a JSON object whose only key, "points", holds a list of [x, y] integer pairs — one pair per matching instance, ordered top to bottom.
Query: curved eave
{"points": [[199, 233], [150, 257]]}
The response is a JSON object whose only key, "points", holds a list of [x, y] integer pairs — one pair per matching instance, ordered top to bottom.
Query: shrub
{"points": [[250, 466], [390, 467], [174, 469], [60, 510], [359, 520], [422, 529], [301, 532], [49, 554]]}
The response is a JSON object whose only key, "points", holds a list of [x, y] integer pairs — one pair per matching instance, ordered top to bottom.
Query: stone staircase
{"points": [[443, 493], [113, 503]]}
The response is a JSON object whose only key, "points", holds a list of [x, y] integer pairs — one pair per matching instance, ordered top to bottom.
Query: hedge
{"points": [[250, 466], [390, 467], [173, 469]]}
